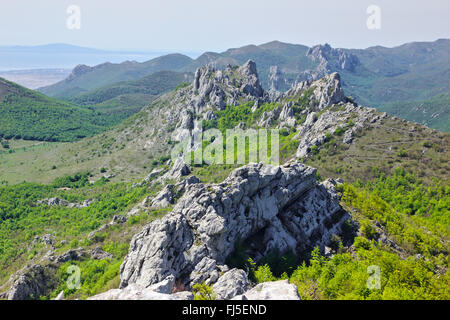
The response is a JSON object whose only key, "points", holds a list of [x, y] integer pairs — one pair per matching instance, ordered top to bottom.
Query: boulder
{"points": [[270, 206], [231, 284], [276, 290], [159, 291]]}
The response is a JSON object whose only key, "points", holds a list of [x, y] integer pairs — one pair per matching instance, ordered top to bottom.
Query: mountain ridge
{"points": [[368, 74], [140, 223]]}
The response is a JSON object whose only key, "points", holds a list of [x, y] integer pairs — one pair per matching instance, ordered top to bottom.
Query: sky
{"points": [[212, 25]]}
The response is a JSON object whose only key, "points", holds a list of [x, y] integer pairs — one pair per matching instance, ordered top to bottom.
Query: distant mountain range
{"points": [[59, 56], [409, 81]]}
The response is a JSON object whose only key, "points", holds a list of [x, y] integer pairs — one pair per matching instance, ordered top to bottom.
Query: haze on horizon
{"points": [[205, 25]]}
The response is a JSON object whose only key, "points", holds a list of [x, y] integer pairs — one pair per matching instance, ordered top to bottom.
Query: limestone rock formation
{"points": [[332, 59], [276, 79], [325, 91], [313, 132], [64, 203], [271, 207], [32, 283], [231, 284], [276, 290], [159, 291]]}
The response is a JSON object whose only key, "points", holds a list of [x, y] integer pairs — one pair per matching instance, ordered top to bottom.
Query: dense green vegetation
{"points": [[153, 85], [32, 116], [232, 116], [412, 214], [21, 218], [417, 269], [96, 276], [203, 292]]}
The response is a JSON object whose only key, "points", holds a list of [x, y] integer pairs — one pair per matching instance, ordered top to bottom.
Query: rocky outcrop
{"points": [[331, 59], [79, 70], [276, 79], [249, 82], [221, 87], [322, 93], [348, 117], [179, 169], [168, 195], [165, 198], [64, 203], [281, 207], [98, 254], [71, 255], [39, 279], [32, 283], [231, 284], [277, 290], [160, 291]]}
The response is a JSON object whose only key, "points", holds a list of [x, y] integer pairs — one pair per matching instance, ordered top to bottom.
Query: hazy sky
{"points": [[212, 25]]}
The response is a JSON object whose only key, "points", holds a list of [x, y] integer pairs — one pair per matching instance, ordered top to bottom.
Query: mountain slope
{"points": [[84, 78], [128, 97], [30, 115], [137, 144], [390, 210]]}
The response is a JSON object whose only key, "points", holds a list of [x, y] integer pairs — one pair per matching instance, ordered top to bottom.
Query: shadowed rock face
{"points": [[284, 204], [31, 284]]}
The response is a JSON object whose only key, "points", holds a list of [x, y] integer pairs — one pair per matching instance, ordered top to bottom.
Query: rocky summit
{"points": [[281, 207]]}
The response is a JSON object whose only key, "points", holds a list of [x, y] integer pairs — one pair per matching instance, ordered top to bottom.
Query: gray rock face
{"points": [[331, 59], [276, 79], [250, 82], [326, 91], [313, 131], [178, 170], [152, 175], [164, 198], [64, 203], [284, 204], [47, 239], [72, 254], [99, 254], [39, 279], [32, 283], [231, 284], [163, 290], [277, 290], [137, 292]]}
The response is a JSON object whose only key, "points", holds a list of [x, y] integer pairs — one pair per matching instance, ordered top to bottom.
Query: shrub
{"points": [[339, 131], [402, 153], [264, 274], [203, 292]]}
